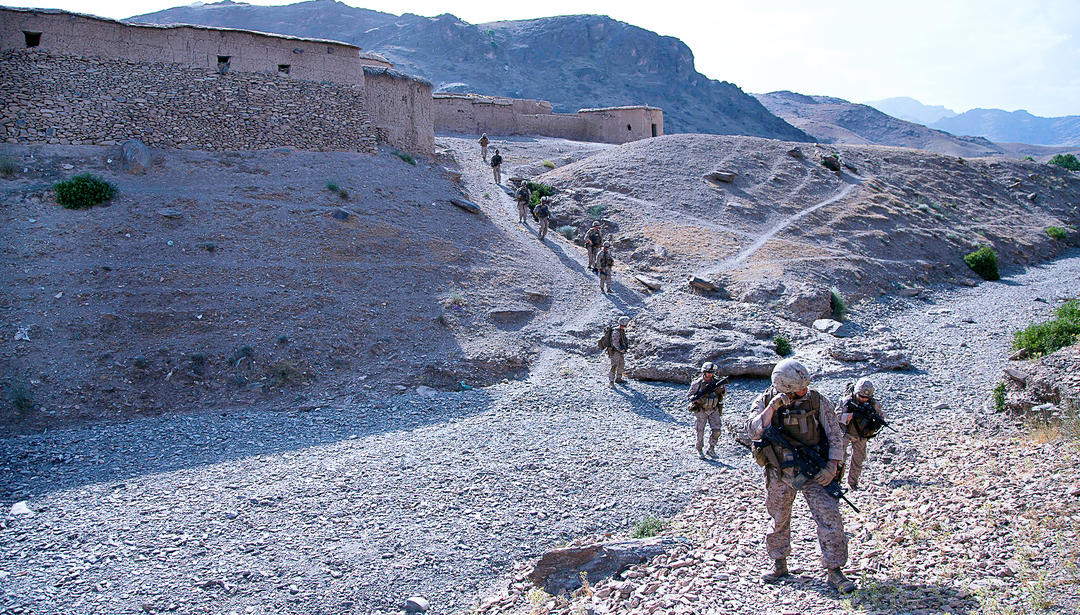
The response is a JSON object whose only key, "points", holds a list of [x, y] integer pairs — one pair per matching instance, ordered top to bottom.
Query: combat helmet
{"points": [[624, 320], [708, 366], [790, 376], [864, 387]]}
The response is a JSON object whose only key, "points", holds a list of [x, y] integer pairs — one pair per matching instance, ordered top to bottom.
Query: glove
{"points": [[782, 399], [827, 475]]}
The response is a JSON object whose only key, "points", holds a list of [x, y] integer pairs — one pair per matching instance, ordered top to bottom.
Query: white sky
{"points": [[1006, 54]]}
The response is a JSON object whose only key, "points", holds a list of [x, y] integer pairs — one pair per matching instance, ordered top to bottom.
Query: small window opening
{"points": [[33, 39], [329, 50], [223, 64], [283, 69], [628, 127], [654, 130]]}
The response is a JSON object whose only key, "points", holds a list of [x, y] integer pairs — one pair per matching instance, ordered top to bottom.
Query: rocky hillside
{"points": [[594, 60], [911, 110], [835, 120], [1015, 127]]}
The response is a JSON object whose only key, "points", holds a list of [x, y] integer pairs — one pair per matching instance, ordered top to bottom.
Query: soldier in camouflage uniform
{"points": [[483, 146], [496, 166], [523, 196], [543, 216], [593, 239], [604, 264], [617, 352], [706, 399], [805, 417], [857, 430]]}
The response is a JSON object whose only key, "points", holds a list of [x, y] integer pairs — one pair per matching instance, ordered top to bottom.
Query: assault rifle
{"points": [[708, 388], [874, 421], [808, 462]]}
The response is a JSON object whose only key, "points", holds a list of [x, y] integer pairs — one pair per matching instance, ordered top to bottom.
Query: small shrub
{"points": [[406, 157], [1028, 159], [1066, 161], [549, 164], [8, 167], [332, 186], [83, 190], [539, 191], [596, 212], [566, 231], [1056, 232], [209, 246], [983, 262], [456, 299], [838, 305], [1047, 337], [283, 339], [782, 345], [241, 353], [198, 363], [286, 372], [998, 397], [20, 398], [648, 527]]}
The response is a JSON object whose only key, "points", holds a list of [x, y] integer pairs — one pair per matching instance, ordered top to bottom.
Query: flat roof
{"points": [[134, 24], [626, 108]]}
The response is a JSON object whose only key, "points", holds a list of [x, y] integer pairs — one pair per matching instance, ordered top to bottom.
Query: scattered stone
{"points": [[795, 152], [135, 157], [831, 162], [67, 167], [721, 176], [1032, 196], [466, 204], [170, 212], [340, 214], [647, 282], [701, 284], [910, 292], [537, 296], [807, 304], [511, 315], [827, 325], [883, 353], [1016, 374], [401, 388], [426, 391], [941, 405], [20, 509], [560, 570], [417, 604]]}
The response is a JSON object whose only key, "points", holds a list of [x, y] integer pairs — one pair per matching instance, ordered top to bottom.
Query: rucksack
{"points": [[496, 160], [605, 340]]}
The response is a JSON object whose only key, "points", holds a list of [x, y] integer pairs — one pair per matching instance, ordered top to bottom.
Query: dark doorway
{"points": [[33, 39], [223, 64], [283, 69], [654, 130]]}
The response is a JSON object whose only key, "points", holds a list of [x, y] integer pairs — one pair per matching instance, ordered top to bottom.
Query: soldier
{"points": [[483, 146], [496, 167], [523, 196], [543, 215], [593, 239], [604, 264], [616, 352], [706, 399], [861, 416], [806, 418]]}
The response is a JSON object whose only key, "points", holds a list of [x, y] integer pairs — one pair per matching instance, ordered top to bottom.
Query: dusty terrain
{"points": [[309, 473]]}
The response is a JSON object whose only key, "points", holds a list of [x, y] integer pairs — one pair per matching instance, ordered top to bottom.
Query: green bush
{"points": [[406, 157], [1028, 159], [1066, 161], [549, 164], [8, 167], [332, 186], [83, 190], [539, 191], [596, 212], [566, 231], [1056, 232], [983, 262], [838, 305], [1046, 337], [782, 345], [998, 395], [20, 398], [648, 527]]}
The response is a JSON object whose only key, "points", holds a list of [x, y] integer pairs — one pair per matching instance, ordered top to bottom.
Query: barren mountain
{"points": [[574, 61], [911, 110], [835, 120], [1015, 127]]}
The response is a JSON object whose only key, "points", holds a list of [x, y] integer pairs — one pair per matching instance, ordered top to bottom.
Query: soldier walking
{"points": [[483, 146], [496, 167], [523, 196], [543, 215], [593, 239], [604, 264], [616, 352], [706, 399], [862, 417], [807, 420]]}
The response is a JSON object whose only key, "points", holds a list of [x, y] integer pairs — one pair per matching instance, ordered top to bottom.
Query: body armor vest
{"points": [[711, 401], [801, 425]]}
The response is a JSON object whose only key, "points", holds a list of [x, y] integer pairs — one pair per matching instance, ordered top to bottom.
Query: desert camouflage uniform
{"points": [[483, 146], [496, 166], [523, 196], [542, 214], [593, 239], [604, 263], [616, 353], [706, 410], [854, 440], [780, 495]]}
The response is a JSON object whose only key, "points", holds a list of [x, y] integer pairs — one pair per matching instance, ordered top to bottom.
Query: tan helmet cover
{"points": [[624, 320], [708, 366], [790, 376], [864, 387]]}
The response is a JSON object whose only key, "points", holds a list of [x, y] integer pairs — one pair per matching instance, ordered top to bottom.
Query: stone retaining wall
{"points": [[54, 98]]}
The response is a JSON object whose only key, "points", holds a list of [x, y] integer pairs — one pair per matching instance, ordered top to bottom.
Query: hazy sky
{"points": [[1005, 54]]}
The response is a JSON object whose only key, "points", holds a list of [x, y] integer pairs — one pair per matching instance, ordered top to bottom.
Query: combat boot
{"points": [[712, 451], [779, 571], [839, 582]]}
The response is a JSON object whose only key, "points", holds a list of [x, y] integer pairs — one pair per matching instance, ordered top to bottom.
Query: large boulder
{"points": [[135, 157], [805, 304], [874, 354], [559, 571]]}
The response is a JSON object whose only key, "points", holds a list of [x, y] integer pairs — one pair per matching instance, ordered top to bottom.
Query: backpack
{"points": [[496, 160], [523, 192], [606, 260], [605, 340]]}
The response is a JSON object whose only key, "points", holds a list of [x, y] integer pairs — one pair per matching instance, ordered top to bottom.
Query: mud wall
{"points": [[53, 98], [401, 108], [622, 124]]}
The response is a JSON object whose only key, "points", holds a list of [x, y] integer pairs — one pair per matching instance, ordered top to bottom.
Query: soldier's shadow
{"points": [[643, 406], [889, 595]]}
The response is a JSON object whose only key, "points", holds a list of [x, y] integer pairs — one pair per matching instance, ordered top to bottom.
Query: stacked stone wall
{"points": [[54, 98]]}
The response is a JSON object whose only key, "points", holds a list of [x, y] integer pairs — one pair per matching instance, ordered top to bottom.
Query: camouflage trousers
{"points": [[483, 152], [497, 172], [523, 206], [543, 228], [593, 250], [605, 281], [618, 363], [710, 418], [858, 457], [779, 497]]}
